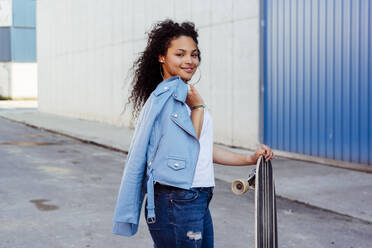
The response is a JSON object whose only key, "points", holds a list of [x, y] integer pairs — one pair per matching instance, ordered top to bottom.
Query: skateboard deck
{"points": [[262, 181]]}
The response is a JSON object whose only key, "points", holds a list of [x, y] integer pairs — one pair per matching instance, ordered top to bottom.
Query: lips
{"points": [[187, 69]]}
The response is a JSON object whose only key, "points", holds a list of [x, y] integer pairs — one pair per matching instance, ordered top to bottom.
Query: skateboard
{"points": [[261, 180]]}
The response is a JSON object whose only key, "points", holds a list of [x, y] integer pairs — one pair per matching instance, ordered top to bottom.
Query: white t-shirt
{"points": [[204, 171]]}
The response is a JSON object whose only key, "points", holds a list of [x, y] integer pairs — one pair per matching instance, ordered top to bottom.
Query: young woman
{"points": [[172, 152]]}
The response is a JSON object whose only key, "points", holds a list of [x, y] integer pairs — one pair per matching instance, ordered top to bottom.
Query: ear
{"points": [[161, 58]]}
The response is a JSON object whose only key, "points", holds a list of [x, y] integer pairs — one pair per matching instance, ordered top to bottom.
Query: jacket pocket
{"points": [[176, 163]]}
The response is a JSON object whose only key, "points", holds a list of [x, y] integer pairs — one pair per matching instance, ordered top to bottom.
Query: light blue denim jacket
{"points": [[164, 149]]}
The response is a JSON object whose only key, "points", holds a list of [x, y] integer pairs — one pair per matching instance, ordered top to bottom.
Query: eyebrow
{"points": [[185, 50]]}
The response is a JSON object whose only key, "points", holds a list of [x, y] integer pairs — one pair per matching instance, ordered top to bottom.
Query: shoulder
{"points": [[168, 85], [160, 90], [157, 99]]}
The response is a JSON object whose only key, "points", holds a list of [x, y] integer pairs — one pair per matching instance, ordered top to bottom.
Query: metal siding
{"points": [[24, 13], [23, 42], [5, 44], [322, 76], [292, 77], [300, 78], [317, 78], [364, 82], [354, 83], [334, 90], [368, 107]]}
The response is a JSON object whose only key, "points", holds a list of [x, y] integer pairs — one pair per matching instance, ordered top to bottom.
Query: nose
{"points": [[188, 59]]}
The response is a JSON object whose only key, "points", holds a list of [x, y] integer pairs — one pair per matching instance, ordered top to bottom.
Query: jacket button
{"points": [[165, 87], [175, 95], [175, 115], [150, 163], [176, 165]]}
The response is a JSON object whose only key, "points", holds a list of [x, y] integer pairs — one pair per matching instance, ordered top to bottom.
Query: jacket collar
{"points": [[180, 91]]}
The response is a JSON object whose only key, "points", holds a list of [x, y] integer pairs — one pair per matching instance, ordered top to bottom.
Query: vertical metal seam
{"points": [[271, 72], [290, 74], [277, 76], [334, 76], [311, 77], [261, 78], [325, 78], [350, 78], [342, 80], [303, 82], [351, 82], [283, 83], [359, 92], [317, 97], [296, 98], [369, 108], [269, 137]]}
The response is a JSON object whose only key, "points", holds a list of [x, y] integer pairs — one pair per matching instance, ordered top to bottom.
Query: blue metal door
{"points": [[317, 72]]}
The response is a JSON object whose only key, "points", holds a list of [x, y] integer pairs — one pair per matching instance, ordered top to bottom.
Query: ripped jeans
{"points": [[182, 217]]}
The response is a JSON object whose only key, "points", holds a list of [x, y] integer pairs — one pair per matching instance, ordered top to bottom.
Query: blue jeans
{"points": [[182, 217]]}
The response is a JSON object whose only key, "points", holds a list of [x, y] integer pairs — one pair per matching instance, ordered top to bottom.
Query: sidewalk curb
{"points": [[67, 135], [219, 170]]}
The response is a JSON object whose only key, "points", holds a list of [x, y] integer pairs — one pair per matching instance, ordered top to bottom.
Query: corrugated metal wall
{"points": [[317, 78]]}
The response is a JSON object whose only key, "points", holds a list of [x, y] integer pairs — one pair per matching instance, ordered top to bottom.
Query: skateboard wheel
{"points": [[239, 186]]}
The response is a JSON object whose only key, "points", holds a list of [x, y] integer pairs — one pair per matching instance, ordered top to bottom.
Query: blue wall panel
{"points": [[24, 13], [5, 44], [23, 44], [318, 78]]}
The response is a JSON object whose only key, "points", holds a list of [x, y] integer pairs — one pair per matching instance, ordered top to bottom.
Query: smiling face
{"points": [[181, 58]]}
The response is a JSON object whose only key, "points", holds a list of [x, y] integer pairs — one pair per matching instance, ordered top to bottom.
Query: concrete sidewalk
{"points": [[333, 189]]}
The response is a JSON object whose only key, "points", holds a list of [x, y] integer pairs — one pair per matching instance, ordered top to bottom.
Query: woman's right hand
{"points": [[193, 97]]}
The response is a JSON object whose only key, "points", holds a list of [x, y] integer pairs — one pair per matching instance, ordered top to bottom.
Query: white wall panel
{"points": [[243, 9], [182, 10], [159, 11], [221, 11], [201, 12], [85, 49], [5, 77], [221, 79], [18, 80], [24, 80], [245, 82]]}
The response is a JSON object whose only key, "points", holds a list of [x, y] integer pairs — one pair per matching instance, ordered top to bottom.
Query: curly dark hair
{"points": [[146, 67]]}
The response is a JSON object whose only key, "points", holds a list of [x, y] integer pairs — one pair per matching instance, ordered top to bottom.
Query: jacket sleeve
{"points": [[130, 197]]}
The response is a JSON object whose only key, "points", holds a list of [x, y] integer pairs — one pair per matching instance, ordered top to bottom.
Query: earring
{"points": [[199, 76]]}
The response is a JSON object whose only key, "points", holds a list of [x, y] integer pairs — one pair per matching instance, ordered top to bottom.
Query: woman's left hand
{"points": [[265, 151]]}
